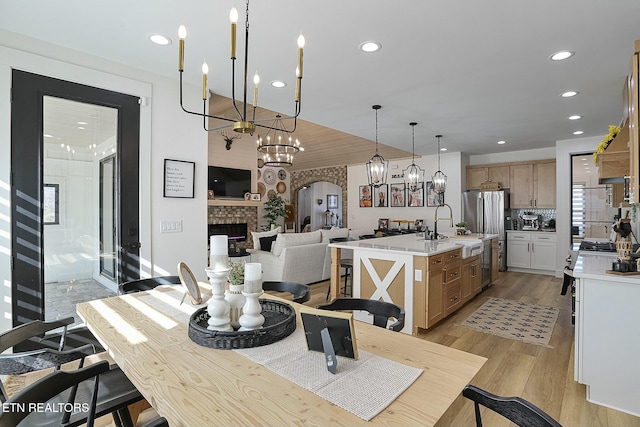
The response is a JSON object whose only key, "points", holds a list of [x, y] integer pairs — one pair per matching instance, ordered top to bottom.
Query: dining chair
{"points": [[140, 285], [301, 293], [381, 310], [45, 357], [116, 391], [15, 410], [519, 411]]}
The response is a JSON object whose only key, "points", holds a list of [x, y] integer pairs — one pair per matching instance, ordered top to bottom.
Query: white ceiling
{"points": [[475, 71]]}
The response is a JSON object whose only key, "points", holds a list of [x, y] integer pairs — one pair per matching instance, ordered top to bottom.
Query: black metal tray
{"points": [[279, 322]]}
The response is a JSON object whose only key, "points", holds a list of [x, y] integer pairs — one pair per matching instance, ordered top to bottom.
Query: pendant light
{"points": [[377, 166], [413, 175], [439, 178]]}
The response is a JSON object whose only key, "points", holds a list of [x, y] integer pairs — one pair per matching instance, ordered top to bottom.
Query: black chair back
{"points": [[141, 285], [301, 293], [381, 310], [49, 387], [519, 411]]}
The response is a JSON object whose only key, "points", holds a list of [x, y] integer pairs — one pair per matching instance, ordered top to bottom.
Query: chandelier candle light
{"points": [[244, 123], [279, 149], [377, 166], [414, 174], [439, 178], [218, 272], [252, 317]]}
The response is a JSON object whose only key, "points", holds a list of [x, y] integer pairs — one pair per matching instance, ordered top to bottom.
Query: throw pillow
{"points": [[256, 235], [266, 242]]}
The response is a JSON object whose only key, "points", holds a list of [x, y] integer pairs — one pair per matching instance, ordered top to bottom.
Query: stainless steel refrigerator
{"points": [[486, 212]]}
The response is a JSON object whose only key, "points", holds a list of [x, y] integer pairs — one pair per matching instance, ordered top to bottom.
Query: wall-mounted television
{"points": [[229, 183]]}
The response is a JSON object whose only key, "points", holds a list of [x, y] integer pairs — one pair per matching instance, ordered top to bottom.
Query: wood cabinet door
{"points": [[499, 174], [476, 176], [544, 178], [521, 185], [476, 278], [467, 280], [435, 297]]}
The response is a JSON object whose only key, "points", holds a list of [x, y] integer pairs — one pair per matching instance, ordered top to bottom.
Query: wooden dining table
{"points": [[192, 385]]}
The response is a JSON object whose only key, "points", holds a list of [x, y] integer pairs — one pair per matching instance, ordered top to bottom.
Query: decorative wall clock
{"points": [[282, 174], [281, 187]]}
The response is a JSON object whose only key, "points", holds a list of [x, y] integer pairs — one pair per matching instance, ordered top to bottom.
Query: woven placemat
{"points": [[363, 387]]}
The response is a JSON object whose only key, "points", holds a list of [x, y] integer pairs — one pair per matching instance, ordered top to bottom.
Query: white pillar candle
{"points": [[218, 245], [252, 271], [253, 277]]}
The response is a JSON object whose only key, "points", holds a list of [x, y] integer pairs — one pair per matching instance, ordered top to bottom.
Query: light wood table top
{"points": [[195, 386]]}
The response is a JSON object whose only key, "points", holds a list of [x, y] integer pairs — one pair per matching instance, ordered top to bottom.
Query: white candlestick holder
{"points": [[218, 307], [251, 312]]}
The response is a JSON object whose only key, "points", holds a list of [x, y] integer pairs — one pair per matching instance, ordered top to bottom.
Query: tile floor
{"points": [[61, 297]]}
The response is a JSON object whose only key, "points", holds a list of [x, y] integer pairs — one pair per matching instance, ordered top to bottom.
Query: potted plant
{"points": [[275, 208], [462, 228], [234, 294]]}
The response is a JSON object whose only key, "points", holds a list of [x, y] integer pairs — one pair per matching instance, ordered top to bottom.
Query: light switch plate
{"points": [[171, 226], [418, 275]]}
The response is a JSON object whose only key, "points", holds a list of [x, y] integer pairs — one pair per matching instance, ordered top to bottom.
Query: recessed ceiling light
{"points": [[159, 39], [370, 46], [563, 54], [278, 83], [569, 94], [575, 117], [83, 123], [81, 127], [578, 132], [46, 135], [502, 142], [584, 159]]}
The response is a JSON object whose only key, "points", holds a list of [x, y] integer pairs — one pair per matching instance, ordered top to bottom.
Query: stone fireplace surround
{"points": [[236, 215]]}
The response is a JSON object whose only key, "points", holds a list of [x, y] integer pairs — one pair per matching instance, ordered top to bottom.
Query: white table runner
{"points": [[364, 387]]}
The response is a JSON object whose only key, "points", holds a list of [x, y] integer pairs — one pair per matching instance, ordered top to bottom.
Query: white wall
{"points": [[165, 132], [513, 156], [367, 218]]}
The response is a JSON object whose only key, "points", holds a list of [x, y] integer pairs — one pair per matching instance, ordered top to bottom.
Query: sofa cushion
{"points": [[256, 235], [327, 235], [286, 240], [267, 242]]}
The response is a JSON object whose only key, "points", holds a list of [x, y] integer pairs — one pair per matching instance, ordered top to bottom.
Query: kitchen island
{"points": [[429, 279], [606, 336]]}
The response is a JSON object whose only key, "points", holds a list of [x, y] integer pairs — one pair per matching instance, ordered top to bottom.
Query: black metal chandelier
{"points": [[244, 123], [377, 166], [413, 174], [439, 178]]}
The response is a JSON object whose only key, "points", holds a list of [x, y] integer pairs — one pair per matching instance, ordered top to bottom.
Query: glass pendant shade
{"points": [[377, 166], [414, 174], [439, 179]]}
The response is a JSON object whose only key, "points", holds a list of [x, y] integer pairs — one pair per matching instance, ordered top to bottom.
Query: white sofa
{"points": [[297, 257]]}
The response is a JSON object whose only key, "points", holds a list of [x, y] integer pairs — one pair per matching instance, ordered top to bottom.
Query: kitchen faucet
{"points": [[436, 219]]}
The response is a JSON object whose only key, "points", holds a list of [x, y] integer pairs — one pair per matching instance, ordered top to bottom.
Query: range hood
{"points": [[614, 163]]}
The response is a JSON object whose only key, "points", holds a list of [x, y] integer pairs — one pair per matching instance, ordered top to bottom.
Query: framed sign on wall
{"points": [[179, 178]]}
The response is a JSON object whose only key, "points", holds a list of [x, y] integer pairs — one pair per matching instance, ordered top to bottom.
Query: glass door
{"points": [[80, 256]]}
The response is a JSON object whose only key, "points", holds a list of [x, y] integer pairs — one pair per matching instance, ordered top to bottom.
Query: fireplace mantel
{"points": [[231, 202]]}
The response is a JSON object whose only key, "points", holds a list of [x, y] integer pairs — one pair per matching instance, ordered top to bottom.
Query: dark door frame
{"points": [[27, 264]]}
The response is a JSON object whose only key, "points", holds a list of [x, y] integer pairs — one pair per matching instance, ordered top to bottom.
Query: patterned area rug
{"points": [[516, 320]]}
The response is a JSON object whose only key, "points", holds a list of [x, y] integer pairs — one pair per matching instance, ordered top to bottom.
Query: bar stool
{"points": [[347, 264]]}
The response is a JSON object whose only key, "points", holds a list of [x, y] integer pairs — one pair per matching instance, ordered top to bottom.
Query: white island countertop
{"points": [[413, 244], [593, 265]]}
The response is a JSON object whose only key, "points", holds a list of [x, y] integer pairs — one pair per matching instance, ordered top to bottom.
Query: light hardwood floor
{"points": [[541, 375]]}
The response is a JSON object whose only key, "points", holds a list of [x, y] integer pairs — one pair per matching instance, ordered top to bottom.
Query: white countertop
{"points": [[542, 230], [411, 243], [592, 265]]}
